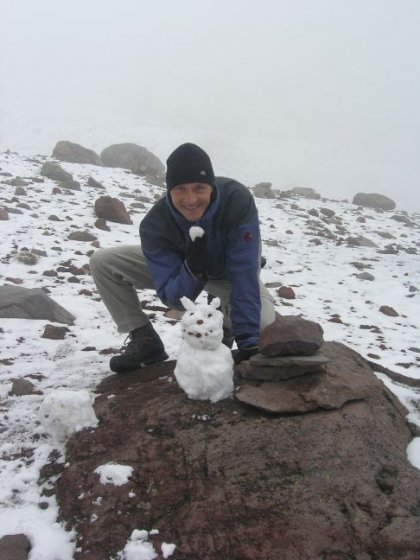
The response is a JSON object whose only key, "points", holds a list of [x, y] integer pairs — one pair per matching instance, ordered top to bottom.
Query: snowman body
{"points": [[204, 368]]}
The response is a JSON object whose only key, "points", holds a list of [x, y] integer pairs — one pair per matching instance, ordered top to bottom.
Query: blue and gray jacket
{"points": [[233, 241]]}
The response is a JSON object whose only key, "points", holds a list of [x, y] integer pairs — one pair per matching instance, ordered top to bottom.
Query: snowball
{"points": [[196, 231], [204, 368], [65, 411], [413, 452], [111, 473], [138, 547], [167, 549]]}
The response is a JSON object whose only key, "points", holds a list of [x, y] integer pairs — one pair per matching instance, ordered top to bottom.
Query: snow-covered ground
{"points": [[322, 269]]}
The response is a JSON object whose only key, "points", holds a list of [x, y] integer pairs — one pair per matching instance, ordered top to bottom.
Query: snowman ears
{"points": [[187, 303], [190, 305]]}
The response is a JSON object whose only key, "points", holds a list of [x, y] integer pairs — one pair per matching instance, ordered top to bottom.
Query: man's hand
{"points": [[197, 255], [243, 354]]}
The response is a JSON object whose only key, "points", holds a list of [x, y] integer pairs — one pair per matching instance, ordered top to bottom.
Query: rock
{"points": [[75, 153], [133, 157], [55, 172], [17, 182], [94, 183], [70, 185], [263, 190], [20, 191], [306, 192], [372, 200], [112, 209], [327, 212], [4, 214], [100, 223], [81, 236], [360, 241], [365, 276], [286, 292], [23, 303], [387, 310], [55, 333], [291, 336], [261, 368], [21, 387], [299, 487], [14, 547]]}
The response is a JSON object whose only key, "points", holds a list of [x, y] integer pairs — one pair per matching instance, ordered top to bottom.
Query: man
{"points": [[225, 261]]}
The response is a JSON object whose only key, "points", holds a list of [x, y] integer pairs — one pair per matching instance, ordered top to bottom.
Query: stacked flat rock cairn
{"points": [[293, 372]]}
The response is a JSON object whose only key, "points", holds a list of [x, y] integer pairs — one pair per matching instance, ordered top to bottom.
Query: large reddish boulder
{"points": [[112, 209], [226, 481]]}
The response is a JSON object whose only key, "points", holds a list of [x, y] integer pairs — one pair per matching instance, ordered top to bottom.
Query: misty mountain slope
{"points": [[306, 244]]}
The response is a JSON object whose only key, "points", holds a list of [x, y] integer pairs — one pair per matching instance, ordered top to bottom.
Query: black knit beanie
{"points": [[188, 164]]}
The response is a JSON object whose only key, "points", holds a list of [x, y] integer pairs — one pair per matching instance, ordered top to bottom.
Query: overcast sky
{"points": [[332, 87]]}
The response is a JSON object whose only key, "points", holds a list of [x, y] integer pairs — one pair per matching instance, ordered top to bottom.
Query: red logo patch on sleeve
{"points": [[247, 237]]}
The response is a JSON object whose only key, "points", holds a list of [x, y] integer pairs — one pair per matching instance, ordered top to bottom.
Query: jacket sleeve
{"points": [[243, 267], [171, 277]]}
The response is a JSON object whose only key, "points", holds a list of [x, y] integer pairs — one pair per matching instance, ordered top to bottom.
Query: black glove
{"points": [[197, 255], [243, 354]]}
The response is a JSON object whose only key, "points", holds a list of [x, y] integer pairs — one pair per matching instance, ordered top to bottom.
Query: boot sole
{"points": [[124, 368]]}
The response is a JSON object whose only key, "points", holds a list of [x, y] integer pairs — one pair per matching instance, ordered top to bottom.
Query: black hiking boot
{"points": [[144, 347]]}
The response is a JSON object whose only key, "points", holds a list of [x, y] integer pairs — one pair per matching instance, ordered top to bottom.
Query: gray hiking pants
{"points": [[119, 271]]}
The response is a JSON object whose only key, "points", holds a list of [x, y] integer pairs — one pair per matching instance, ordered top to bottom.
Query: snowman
{"points": [[204, 368]]}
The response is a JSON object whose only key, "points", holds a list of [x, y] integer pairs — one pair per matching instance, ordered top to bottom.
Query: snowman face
{"points": [[202, 327]]}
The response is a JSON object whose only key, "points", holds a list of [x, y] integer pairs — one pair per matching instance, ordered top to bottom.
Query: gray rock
{"points": [[75, 153], [131, 156], [55, 172], [94, 183], [71, 185], [263, 190], [306, 192], [373, 200], [112, 209], [4, 214], [82, 236], [360, 241], [365, 276], [23, 303], [55, 333], [291, 336], [343, 380], [22, 387], [14, 547]]}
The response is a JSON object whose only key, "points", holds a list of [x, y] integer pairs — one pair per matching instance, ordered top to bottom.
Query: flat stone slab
{"points": [[267, 373], [345, 378]]}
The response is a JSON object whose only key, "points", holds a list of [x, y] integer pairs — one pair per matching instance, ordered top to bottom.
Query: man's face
{"points": [[191, 199]]}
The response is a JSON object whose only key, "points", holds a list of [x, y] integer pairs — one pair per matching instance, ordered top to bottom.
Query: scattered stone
{"points": [[75, 153], [131, 156], [55, 172], [17, 182], [94, 183], [70, 185], [263, 190], [20, 191], [306, 192], [372, 200], [112, 209], [327, 212], [4, 214], [54, 218], [100, 223], [82, 236], [360, 242], [50, 273], [365, 276], [17, 281], [286, 292], [23, 303], [387, 310], [175, 314], [335, 319], [55, 333], [291, 336], [21, 387], [14, 547]]}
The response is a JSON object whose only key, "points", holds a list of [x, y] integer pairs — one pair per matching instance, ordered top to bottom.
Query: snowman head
{"points": [[202, 324]]}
